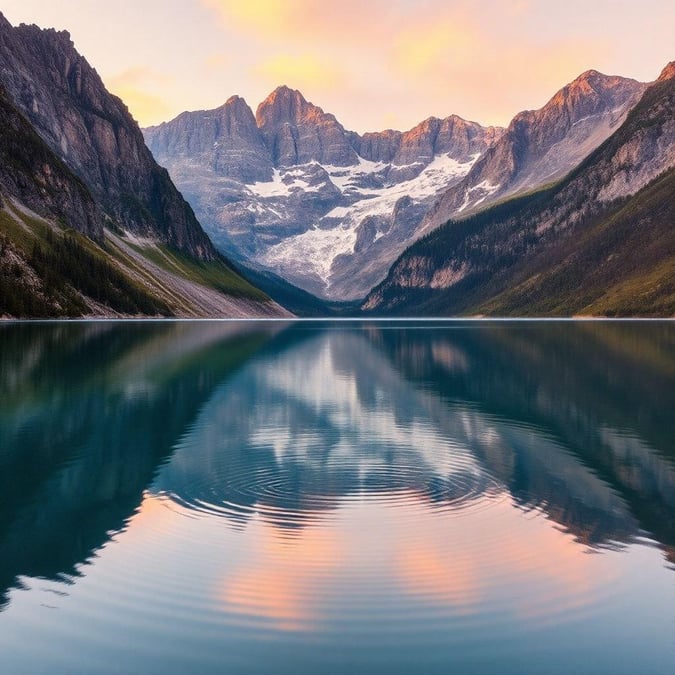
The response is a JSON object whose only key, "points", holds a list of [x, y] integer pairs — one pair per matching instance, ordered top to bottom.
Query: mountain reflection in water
{"points": [[88, 413], [570, 419], [369, 476]]}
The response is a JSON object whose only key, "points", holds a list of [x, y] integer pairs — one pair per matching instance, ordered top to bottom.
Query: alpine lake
{"points": [[418, 497]]}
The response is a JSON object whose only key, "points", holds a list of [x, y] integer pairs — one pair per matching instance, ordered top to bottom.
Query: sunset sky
{"points": [[373, 63]]}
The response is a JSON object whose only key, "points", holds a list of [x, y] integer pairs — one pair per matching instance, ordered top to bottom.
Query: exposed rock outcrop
{"points": [[92, 131], [298, 132], [450, 135], [226, 138], [541, 146], [36, 178], [298, 194], [600, 241]]}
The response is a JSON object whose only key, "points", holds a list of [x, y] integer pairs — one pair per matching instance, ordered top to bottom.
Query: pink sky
{"points": [[373, 63]]}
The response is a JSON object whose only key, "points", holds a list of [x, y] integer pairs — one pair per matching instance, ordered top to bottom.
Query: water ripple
{"points": [[294, 490]]}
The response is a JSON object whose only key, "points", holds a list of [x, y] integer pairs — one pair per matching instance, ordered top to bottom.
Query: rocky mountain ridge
{"points": [[297, 132], [93, 133], [541, 146], [292, 191], [329, 210], [90, 225], [599, 242]]}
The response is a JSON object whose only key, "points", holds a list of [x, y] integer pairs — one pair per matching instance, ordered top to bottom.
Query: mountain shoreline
{"points": [[90, 224], [601, 241]]}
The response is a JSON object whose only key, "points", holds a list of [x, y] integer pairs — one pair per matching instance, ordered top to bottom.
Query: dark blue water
{"points": [[479, 497]]}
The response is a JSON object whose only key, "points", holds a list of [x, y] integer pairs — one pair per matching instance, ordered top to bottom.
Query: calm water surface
{"points": [[278, 498]]}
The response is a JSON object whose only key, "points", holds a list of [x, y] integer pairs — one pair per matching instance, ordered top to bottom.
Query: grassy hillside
{"points": [[49, 271], [46, 272], [216, 274]]}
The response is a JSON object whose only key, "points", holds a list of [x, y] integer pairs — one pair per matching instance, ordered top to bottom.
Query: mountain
{"points": [[65, 100], [297, 132], [541, 146], [292, 191], [329, 210], [90, 224], [600, 241]]}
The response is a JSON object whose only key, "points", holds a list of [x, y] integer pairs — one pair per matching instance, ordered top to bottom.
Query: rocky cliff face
{"points": [[92, 131], [298, 132], [436, 137], [227, 139], [427, 140], [378, 146], [541, 146], [33, 176], [294, 192], [71, 215], [601, 241]]}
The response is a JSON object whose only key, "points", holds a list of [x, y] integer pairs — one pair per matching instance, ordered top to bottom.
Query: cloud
{"points": [[520, 6], [307, 20], [425, 47], [405, 60], [217, 62], [390, 62], [466, 63], [480, 65], [301, 71], [142, 76], [495, 86], [134, 87]]}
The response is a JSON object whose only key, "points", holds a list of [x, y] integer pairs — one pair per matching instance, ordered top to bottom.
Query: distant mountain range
{"points": [[541, 146], [291, 191], [569, 210], [90, 224], [599, 242]]}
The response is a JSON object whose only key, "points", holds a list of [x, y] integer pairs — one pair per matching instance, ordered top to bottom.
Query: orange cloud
{"points": [[520, 6], [266, 16], [302, 19], [423, 46], [400, 61], [217, 62], [459, 62], [479, 66], [300, 71], [134, 87]]}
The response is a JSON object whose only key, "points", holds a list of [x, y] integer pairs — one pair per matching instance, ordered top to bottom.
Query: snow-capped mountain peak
{"points": [[290, 189], [328, 209]]}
